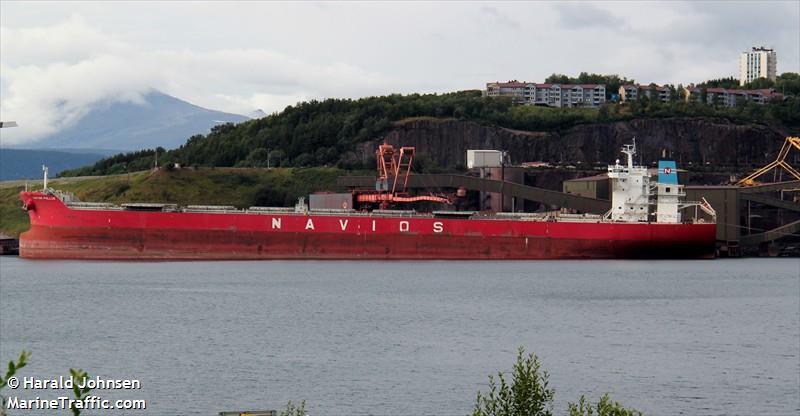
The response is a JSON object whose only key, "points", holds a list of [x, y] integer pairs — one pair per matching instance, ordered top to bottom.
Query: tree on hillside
{"points": [[557, 79], [729, 82], [759, 83], [788, 83], [681, 93], [674, 94], [603, 113], [275, 158], [256, 159]]}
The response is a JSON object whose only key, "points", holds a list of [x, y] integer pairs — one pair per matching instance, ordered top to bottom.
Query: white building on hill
{"points": [[758, 63], [551, 95]]}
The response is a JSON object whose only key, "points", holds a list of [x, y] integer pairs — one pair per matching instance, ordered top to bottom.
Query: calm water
{"points": [[404, 338]]}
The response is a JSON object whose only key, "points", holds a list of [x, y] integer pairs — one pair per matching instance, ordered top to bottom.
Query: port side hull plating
{"points": [[60, 232]]}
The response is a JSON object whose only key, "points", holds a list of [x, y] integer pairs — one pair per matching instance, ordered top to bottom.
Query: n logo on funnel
{"points": [[667, 172]]}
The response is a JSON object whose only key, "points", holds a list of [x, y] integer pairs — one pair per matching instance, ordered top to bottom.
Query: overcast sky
{"points": [[57, 59]]}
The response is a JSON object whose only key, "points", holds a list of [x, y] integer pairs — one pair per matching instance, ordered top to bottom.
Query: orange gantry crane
{"points": [[779, 162], [394, 168]]}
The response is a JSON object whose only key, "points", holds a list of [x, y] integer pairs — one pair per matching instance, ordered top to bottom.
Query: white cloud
{"points": [[69, 41], [58, 59], [49, 84], [45, 99]]}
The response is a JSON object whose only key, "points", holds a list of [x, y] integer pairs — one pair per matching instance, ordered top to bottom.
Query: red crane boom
{"points": [[394, 168]]}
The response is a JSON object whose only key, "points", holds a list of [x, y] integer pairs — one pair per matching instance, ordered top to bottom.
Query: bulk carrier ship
{"points": [[646, 221]]}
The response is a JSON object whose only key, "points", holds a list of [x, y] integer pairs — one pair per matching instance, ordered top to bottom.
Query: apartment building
{"points": [[759, 62], [514, 89], [632, 92], [551, 95], [732, 97]]}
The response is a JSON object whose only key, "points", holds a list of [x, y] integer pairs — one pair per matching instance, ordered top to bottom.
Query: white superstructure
{"points": [[631, 190], [668, 202]]}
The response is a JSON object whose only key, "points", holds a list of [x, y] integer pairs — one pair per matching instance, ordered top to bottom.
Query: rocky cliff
{"points": [[690, 141]]}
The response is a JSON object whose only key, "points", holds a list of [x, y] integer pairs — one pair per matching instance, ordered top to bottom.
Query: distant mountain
{"points": [[257, 114], [162, 120], [27, 164]]}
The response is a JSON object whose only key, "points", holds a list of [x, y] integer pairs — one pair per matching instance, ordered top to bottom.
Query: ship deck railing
{"points": [[93, 205], [148, 206], [210, 208], [268, 210], [330, 211], [396, 213], [454, 214]]}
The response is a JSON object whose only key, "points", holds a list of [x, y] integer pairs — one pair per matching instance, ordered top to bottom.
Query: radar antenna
{"points": [[630, 150]]}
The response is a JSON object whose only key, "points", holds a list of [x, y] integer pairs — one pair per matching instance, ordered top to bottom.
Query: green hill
{"points": [[332, 132]]}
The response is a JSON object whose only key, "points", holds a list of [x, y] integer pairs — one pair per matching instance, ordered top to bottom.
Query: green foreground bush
{"points": [[528, 394]]}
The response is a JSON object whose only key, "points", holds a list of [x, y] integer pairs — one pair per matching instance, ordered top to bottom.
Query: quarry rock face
{"points": [[688, 140]]}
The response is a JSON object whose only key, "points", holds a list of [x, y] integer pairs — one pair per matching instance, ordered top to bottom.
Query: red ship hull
{"points": [[58, 232]]}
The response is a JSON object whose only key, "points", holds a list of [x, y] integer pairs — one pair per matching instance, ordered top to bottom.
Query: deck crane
{"points": [[779, 162], [394, 168]]}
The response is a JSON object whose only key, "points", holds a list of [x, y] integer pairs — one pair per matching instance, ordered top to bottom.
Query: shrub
{"points": [[527, 395], [605, 407]]}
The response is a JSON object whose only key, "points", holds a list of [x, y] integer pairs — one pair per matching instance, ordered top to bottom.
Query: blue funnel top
{"points": [[667, 172]]}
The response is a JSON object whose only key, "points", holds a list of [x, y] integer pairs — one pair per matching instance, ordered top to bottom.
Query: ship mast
{"points": [[630, 150], [44, 169]]}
